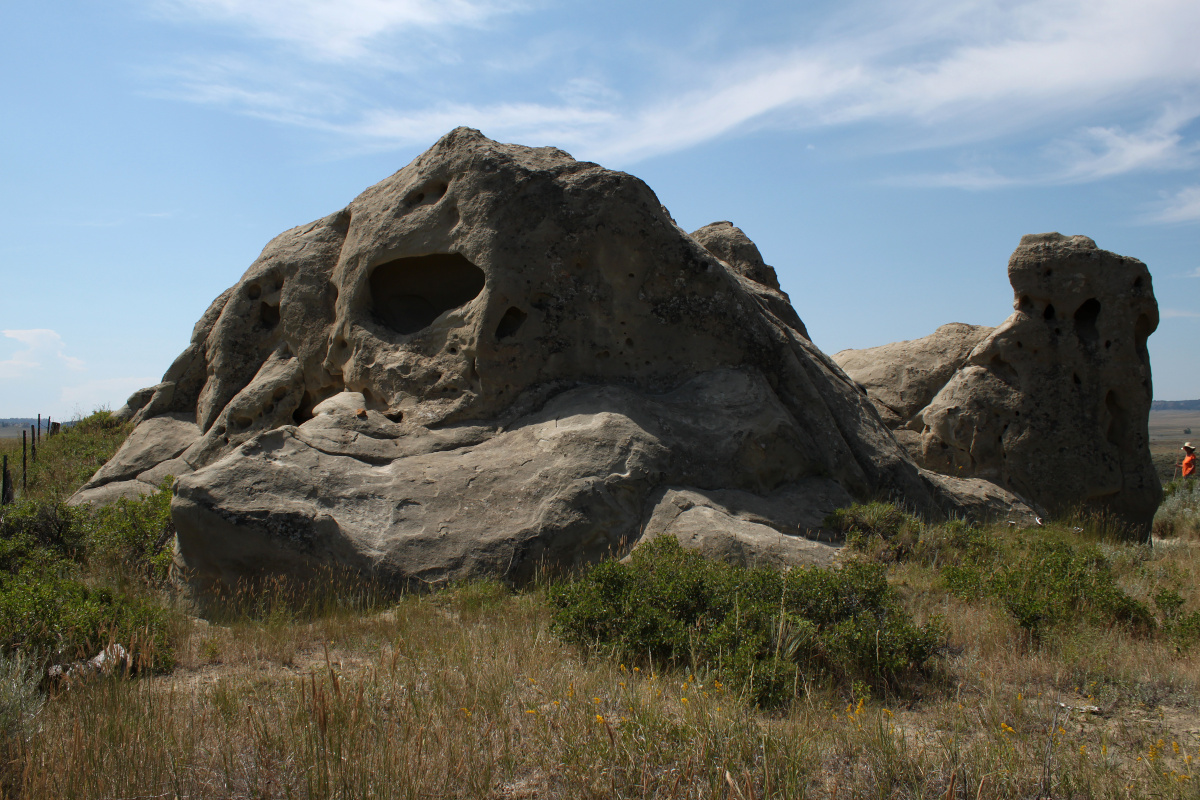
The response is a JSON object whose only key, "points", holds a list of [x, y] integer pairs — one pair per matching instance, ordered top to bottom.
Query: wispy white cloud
{"points": [[336, 30], [933, 72], [1090, 154], [1183, 206], [1194, 273], [1175, 313], [42, 348]]}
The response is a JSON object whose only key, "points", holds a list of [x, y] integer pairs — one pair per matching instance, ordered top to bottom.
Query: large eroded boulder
{"points": [[500, 359], [1054, 403]]}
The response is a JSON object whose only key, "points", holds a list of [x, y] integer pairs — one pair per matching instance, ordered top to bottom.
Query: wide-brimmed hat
{"points": [[1187, 446]]}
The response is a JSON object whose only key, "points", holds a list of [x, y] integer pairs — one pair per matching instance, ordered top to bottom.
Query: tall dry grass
{"points": [[466, 694]]}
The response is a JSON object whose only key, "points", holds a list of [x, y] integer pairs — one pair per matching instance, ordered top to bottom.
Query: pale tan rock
{"points": [[516, 351], [902, 378], [1054, 404], [153, 442]]}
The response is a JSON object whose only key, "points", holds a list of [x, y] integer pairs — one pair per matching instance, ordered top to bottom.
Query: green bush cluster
{"points": [[1179, 514], [1041, 578], [75, 579], [1048, 580], [767, 631]]}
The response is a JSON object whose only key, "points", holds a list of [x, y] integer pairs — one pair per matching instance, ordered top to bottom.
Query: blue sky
{"points": [[886, 157]]}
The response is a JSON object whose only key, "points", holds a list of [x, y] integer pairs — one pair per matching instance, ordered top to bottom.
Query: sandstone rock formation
{"points": [[501, 358], [902, 378], [1053, 404]]}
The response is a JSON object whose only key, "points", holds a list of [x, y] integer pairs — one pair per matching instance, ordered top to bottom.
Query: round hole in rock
{"points": [[408, 294]]}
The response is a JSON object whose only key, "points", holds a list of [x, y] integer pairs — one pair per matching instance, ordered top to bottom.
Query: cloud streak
{"points": [[342, 31], [931, 75], [1183, 206], [42, 348]]}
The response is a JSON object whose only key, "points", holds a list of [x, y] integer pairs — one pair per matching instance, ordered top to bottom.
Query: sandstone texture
{"points": [[500, 360], [1053, 404]]}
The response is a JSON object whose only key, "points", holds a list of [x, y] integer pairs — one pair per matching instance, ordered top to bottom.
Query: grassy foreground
{"points": [[1066, 665]]}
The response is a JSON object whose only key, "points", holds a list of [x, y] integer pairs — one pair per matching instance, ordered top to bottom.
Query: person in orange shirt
{"points": [[1189, 460]]}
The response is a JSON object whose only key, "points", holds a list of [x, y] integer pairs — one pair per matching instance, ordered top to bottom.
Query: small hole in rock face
{"points": [[452, 216], [1048, 273], [632, 275], [1137, 282], [253, 291], [408, 294], [1025, 304], [1048, 314], [268, 315], [510, 323], [629, 342], [1107, 344], [452, 350], [603, 354], [1075, 377], [279, 393], [268, 408], [305, 411], [395, 416], [242, 422]]}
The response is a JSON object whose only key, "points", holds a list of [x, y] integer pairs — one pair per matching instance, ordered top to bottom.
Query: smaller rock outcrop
{"points": [[902, 378], [1053, 404]]}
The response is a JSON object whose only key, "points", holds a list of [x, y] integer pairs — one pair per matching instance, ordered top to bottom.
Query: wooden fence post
{"points": [[39, 433], [32, 445], [24, 466], [5, 483]]}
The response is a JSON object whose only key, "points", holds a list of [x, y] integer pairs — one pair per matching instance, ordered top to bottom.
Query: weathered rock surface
{"points": [[501, 358], [902, 378], [1053, 404], [144, 461]]}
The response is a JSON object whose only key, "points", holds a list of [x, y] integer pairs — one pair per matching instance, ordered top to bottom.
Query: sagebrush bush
{"points": [[1179, 514], [767, 631], [20, 699]]}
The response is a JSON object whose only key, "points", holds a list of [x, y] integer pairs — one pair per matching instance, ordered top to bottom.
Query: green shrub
{"points": [[131, 537], [74, 580], [1047, 581], [764, 630]]}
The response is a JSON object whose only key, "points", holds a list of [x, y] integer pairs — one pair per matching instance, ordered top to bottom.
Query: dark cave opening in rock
{"points": [[408, 294], [1085, 321]]}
